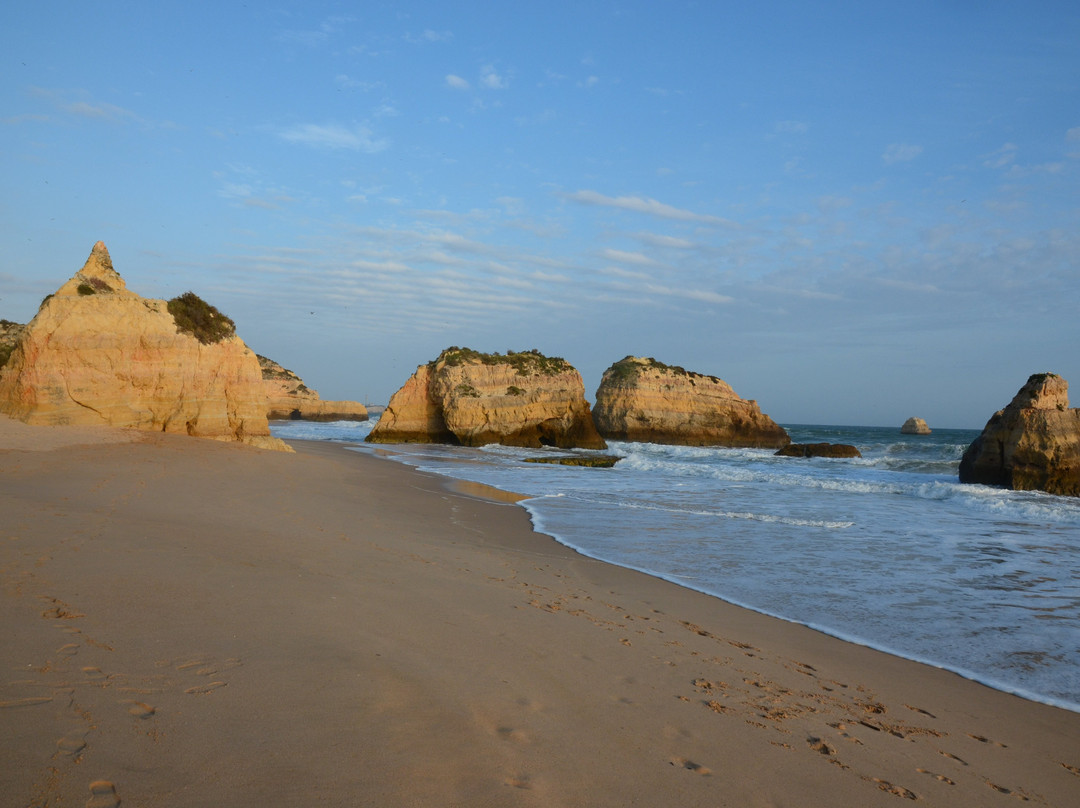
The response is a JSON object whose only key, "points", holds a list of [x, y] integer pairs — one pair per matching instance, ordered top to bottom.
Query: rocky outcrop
{"points": [[9, 335], [97, 353], [288, 398], [470, 398], [645, 400], [915, 426], [1032, 444], [819, 450]]}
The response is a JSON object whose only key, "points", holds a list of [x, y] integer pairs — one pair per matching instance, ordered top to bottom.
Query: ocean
{"points": [[888, 551]]}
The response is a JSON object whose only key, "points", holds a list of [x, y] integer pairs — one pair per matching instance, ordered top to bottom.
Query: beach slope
{"points": [[188, 623]]}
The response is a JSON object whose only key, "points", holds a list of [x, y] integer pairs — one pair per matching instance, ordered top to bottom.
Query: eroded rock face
{"points": [[97, 353], [466, 397], [289, 398], [644, 400], [915, 426], [1032, 444]]}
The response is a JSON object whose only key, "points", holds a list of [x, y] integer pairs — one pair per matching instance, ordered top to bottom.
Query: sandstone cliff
{"points": [[97, 353], [466, 397], [289, 398], [645, 400], [915, 426], [1032, 444], [819, 450]]}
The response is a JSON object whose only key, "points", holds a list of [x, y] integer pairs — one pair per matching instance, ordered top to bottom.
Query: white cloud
{"points": [[429, 35], [492, 80], [456, 82], [792, 127], [1073, 134], [334, 136], [900, 153], [1000, 158], [649, 206], [629, 257]]}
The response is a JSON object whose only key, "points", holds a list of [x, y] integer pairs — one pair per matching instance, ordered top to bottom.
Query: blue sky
{"points": [[852, 212]]}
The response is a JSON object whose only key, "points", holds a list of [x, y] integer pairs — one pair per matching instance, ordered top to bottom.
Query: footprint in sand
{"points": [[71, 649], [204, 689], [29, 701], [139, 709], [982, 739], [72, 744], [819, 745], [691, 766], [940, 777], [519, 781], [899, 791], [102, 795]]}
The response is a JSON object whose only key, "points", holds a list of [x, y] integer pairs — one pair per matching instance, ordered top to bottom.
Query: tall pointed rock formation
{"points": [[97, 353]]}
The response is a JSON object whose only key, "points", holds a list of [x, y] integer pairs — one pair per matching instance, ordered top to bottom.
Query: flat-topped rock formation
{"points": [[97, 353], [288, 398], [471, 398], [644, 400], [915, 426], [1032, 444], [819, 450]]}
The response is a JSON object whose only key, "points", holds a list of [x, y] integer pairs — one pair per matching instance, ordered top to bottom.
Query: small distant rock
{"points": [[915, 426], [1032, 444], [819, 450]]}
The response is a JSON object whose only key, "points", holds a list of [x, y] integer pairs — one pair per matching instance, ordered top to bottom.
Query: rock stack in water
{"points": [[97, 353], [288, 398], [471, 398], [644, 400], [915, 426], [1032, 444]]}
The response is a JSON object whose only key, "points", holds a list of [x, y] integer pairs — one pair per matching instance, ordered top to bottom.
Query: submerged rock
{"points": [[97, 353], [288, 398], [472, 398], [640, 399], [915, 426], [1032, 444], [819, 450], [589, 461]]}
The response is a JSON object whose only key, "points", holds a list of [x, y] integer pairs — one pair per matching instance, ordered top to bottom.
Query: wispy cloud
{"points": [[429, 35], [492, 79], [456, 82], [792, 127], [334, 136], [900, 153], [1000, 158], [648, 206], [624, 257]]}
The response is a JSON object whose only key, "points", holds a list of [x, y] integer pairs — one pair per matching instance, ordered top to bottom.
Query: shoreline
{"points": [[497, 494], [214, 623]]}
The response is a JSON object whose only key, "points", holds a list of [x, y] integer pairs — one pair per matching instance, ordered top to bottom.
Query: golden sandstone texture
{"points": [[99, 354], [289, 398], [471, 398], [644, 400], [915, 426], [1032, 444]]}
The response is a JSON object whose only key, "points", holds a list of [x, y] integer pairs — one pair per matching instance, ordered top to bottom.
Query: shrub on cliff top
{"points": [[195, 316], [526, 363], [629, 368]]}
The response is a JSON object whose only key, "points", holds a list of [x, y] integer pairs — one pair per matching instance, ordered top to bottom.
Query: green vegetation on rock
{"points": [[195, 316], [526, 363], [630, 368]]}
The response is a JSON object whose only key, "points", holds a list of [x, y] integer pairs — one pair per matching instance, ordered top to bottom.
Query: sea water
{"points": [[889, 551]]}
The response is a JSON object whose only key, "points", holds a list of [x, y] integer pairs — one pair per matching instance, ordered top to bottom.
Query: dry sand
{"points": [[189, 623]]}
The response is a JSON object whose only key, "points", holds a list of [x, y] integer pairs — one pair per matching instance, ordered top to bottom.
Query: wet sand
{"points": [[190, 623]]}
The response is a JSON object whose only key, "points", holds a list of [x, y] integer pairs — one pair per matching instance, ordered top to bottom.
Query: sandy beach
{"points": [[191, 623]]}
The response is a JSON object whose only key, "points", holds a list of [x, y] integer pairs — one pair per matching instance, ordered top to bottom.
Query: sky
{"points": [[852, 212]]}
